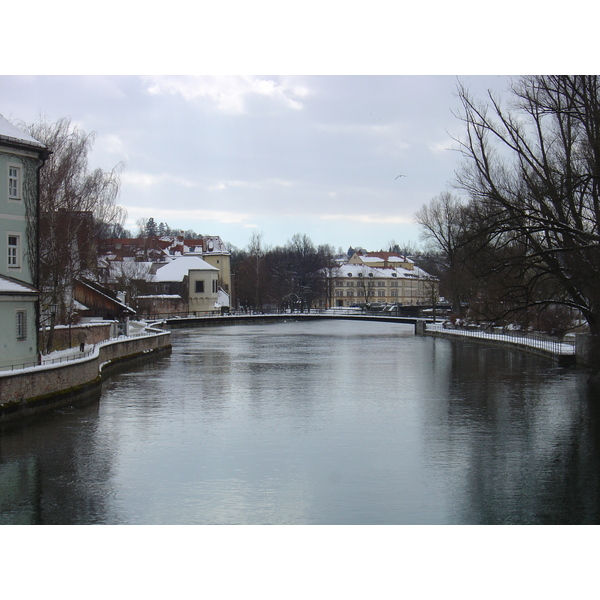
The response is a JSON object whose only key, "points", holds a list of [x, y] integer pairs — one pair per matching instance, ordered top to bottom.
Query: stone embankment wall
{"points": [[29, 391]]}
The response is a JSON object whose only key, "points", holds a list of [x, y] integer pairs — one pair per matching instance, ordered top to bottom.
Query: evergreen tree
{"points": [[151, 227]]}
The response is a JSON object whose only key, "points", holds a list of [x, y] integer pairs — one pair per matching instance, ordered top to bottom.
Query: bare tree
{"points": [[533, 169], [74, 201], [444, 230], [407, 249], [329, 273], [250, 274], [131, 277], [366, 284]]}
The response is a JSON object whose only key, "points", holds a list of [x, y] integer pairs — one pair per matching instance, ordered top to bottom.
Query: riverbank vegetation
{"points": [[75, 204], [525, 245], [291, 276]]}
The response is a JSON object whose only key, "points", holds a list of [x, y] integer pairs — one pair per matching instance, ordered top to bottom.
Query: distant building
{"points": [[21, 156], [153, 255], [383, 278], [187, 284]]}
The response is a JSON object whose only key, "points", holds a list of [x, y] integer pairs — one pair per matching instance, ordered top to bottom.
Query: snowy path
{"points": [[136, 329]]}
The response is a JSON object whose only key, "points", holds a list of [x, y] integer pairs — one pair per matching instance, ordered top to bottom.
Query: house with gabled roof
{"points": [[21, 157], [185, 284], [97, 301]]}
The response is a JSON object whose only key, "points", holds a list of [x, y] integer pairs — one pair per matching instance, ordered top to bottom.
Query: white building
{"points": [[195, 279]]}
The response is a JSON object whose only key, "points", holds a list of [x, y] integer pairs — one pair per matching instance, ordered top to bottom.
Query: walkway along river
{"points": [[35, 389], [319, 422]]}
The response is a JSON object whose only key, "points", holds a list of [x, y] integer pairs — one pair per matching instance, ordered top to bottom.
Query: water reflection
{"points": [[314, 423], [524, 435], [56, 470]]}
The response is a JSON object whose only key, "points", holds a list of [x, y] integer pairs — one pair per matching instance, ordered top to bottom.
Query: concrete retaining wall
{"points": [[560, 359], [32, 390]]}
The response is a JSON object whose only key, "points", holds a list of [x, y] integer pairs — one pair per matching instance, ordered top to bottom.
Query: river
{"points": [[322, 422]]}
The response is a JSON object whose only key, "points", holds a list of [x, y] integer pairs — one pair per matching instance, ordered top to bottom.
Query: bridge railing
{"points": [[273, 311]]}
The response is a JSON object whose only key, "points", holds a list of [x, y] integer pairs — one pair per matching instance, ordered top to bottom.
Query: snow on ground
{"points": [[136, 328]]}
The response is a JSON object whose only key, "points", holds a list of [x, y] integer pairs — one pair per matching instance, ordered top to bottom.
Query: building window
{"points": [[14, 182], [14, 251], [350, 283], [380, 283], [394, 283], [214, 286], [200, 287], [381, 292], [349, 293], [394, 293], [21, 325]]}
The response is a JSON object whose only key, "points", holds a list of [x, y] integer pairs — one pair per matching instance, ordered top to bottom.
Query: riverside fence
{"points": [[562, 349], [72, 354]]}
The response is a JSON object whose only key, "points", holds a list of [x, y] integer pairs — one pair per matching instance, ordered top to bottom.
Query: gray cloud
{"points": [[317, 155]]}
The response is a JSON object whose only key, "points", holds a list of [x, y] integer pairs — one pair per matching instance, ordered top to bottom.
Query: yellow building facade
{"points": [[381, 278]]}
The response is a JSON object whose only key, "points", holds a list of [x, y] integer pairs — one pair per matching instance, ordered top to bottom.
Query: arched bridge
{"points": [[229, 319]]}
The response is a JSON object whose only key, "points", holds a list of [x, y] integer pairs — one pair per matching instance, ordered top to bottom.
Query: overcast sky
{"points": [[279, 155], [320, 155]]}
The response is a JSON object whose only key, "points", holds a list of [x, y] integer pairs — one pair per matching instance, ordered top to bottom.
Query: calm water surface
{"points": [[315, 423]]}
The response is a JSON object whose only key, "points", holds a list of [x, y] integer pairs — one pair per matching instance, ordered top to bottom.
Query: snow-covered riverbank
{"points": [[33, 389]]}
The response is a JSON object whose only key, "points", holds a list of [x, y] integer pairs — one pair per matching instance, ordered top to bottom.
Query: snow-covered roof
{"points": [[9, 132], [213, 244], [379, 257], [392, 258], [371, 259], [177, 269], [358, 270], [11, 286], [99, 290], [160, 297]]}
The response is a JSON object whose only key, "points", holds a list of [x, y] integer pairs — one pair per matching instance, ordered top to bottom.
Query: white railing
{"points": [[541, 341], [72, 354]]}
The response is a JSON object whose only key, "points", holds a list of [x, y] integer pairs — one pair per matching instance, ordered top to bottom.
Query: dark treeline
{"points": [[146, 228], [291, 276]]}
